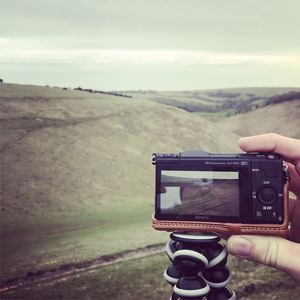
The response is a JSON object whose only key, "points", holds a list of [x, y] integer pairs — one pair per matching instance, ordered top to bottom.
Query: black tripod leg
{"points": [[198, 270]]}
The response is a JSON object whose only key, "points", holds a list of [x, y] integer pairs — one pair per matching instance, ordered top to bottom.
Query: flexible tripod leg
{"points": [[198, 270]]}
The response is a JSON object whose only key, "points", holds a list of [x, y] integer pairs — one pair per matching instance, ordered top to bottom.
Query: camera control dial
{"points": [[267, 195]]}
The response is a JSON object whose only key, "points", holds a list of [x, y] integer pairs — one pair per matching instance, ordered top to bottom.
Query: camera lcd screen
{"points": [[211, 193]]}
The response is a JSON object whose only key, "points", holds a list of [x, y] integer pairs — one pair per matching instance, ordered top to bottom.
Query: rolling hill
{"points": [[213, 104], [282, 118], [67, 152], [76, 171]]}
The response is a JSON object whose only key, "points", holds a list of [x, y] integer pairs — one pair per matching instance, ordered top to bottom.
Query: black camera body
{"points": [[196, 186]]}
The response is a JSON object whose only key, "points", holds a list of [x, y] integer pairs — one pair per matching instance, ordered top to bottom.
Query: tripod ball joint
{"points": [[190, 262], [198, 270]]}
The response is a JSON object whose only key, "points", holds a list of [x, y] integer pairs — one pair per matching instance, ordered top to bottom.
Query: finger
{"points": [[289, 148], [297, 167], [295, 179], [294, 217], [224, 236], [271, 251]]}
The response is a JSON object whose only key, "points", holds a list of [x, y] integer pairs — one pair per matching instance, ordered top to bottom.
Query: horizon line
{"points": [[151, 89]]}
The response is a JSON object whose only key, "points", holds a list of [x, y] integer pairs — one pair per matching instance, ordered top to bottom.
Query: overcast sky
{"points": [[139, 44]]}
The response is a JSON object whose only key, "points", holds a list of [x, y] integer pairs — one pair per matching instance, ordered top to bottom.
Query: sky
{"points": [[158, 45]]}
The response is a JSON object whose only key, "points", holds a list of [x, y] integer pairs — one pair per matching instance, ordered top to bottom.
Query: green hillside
{"points": [[214, 104], [283, 118], [76, 171], [77, 181]]}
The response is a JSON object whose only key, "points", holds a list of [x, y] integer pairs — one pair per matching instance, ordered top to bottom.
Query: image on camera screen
{"points": [[213, 193]]}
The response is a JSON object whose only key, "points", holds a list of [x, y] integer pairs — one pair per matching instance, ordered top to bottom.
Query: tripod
{"points": [[198, 270]]}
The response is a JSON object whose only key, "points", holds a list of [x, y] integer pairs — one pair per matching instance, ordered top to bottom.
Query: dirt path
{"points": [[70, 269]]}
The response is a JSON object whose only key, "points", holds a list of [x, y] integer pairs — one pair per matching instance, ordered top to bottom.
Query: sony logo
{"points": [[202, 218]]}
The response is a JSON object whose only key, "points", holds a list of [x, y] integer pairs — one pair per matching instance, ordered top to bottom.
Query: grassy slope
{"points": [[208, 97], [214, 105], [283, 118], [64, 145], [66, 161], [76, 170], [142, 279]]}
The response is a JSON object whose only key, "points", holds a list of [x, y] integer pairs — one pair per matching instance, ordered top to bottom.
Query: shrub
{"points": [[292, 95]]}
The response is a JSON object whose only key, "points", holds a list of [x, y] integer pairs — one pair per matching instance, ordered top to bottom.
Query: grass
{"points": [[215, 117], [282, 118], [79, 172], [77, 183], [44, 245], [143, 279]]}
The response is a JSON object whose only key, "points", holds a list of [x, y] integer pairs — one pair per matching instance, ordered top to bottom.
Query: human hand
{"points": [[275, 251]]}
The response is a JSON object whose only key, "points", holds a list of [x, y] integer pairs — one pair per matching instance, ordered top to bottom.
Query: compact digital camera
{"points": [[225, 193]]}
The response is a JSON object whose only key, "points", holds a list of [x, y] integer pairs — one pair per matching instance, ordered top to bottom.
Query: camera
{"points": [[225, 193]]}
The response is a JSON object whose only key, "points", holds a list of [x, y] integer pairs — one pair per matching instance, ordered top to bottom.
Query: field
{"points": [[77, 183], [142, 279]]}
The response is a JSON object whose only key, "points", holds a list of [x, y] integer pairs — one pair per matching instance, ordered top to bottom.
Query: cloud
{"points": [[165, 44], [31, 51]]}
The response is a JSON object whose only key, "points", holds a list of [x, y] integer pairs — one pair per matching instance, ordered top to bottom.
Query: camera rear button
{"points": [[257, 175], [267, 195], [258, 213]]}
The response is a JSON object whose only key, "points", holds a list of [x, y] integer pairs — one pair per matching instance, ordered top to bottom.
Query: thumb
{"points": [[275, 252]]}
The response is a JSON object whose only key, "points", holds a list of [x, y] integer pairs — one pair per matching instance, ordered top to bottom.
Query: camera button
{"points": [[270, 169], [258, 175], [267, 195], [258, 214], [273, 214]]}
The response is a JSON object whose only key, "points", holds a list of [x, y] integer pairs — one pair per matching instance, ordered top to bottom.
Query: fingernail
{"points": [[239, 246]]}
